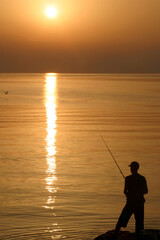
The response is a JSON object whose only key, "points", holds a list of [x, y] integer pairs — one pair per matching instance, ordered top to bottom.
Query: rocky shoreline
{"points": [[148, 234]]}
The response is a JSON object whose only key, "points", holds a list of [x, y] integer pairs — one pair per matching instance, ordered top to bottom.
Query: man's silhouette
{"points": [[135, 188]]}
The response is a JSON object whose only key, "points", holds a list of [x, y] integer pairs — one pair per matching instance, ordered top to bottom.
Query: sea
{"points": [[58, 178]]}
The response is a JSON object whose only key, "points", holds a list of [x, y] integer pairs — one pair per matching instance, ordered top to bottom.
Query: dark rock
{"points": [[148, 234], [122, 235]]}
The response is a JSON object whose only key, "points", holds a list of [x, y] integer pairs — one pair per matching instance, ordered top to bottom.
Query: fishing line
{"points": [[111, 154]]}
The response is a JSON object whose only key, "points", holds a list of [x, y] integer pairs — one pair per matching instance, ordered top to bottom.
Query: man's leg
{"points": [[139, 217], [124, 218]]}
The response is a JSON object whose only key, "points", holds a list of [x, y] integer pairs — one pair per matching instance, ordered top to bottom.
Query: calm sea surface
{"points": [[58, 181]]}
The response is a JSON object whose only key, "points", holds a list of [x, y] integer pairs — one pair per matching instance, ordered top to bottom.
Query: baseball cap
{"points": [[134, 165]]}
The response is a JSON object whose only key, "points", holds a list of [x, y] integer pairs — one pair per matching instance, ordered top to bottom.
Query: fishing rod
{"points": [[111, 154]]}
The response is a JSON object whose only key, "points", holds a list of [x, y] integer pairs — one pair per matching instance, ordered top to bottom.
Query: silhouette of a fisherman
{"points": [[135, 188]]}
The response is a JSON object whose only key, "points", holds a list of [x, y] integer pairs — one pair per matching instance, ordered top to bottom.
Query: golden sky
{"points": [[85, 36]]}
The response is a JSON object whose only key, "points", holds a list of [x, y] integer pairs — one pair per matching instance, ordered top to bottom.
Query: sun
{"points": [[51, 12]]}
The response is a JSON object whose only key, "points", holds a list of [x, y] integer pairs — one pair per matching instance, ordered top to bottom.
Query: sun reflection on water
{"points": [[50, 104], [51, 131]]}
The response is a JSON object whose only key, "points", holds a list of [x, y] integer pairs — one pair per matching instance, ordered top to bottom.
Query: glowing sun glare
{"points": [[51, 12]]}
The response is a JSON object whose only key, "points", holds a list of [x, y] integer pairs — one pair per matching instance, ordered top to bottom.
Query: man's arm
{"points": [[126, 187], [145, 188]]}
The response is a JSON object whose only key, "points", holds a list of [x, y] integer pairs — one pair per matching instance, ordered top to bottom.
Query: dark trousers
{"points": [[128, 210]]}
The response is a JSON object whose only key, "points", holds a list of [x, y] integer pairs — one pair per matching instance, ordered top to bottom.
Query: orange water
{"points": [[57, 178]]}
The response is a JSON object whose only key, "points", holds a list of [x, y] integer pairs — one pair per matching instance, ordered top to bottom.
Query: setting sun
{"points": [[51, 12]]}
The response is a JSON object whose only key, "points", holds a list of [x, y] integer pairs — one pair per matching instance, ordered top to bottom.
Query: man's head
{"points": [[134, 167]]}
